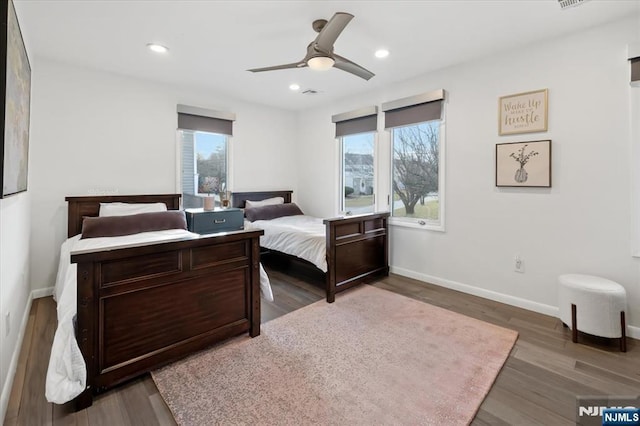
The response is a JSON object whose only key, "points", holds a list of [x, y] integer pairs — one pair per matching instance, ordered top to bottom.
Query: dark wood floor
{"points": [[538, 384]]}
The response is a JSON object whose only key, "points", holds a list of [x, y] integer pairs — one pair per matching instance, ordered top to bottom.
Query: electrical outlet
{"points": [[518, 265], [7, 324]]}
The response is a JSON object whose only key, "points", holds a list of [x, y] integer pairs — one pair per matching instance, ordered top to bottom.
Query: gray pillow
{"points": [[272, 212], [116, 226]]}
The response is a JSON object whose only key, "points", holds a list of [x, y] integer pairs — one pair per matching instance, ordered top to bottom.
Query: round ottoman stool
{"points": [[593, 305]]}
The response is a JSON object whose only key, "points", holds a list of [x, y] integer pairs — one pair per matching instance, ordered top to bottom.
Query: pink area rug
{"points": [[372, 357]]}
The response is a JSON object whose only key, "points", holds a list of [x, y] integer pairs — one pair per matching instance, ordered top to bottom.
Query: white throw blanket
{"points": [[301, 236], [67, 373]]}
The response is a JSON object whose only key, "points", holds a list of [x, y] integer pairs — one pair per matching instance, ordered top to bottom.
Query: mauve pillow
{"points": [[272, 212], [116, 226]]}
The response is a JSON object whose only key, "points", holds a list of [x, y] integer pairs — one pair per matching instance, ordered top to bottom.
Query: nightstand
{"points": [[211, 221]]}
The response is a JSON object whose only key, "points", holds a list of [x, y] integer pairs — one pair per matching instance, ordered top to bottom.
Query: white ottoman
{"points": [[593, 305]]}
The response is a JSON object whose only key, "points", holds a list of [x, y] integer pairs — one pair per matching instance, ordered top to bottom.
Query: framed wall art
{"points": [[15, 94], [523, 113], [524, 164]]}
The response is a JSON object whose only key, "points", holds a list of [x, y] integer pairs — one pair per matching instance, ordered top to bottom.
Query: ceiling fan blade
{"points": [[328, 35], [346, 65], [280, 67]]}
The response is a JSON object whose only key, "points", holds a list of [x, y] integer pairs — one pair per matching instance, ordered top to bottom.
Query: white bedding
{"points": [[301, 236], [66, 375]]}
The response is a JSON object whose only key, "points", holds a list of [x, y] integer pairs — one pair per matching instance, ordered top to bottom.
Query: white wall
{"points": [[96, 132], [581, 224], [14, 285]]}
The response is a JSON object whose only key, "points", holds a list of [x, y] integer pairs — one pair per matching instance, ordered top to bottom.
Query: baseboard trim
{"points": [[42, 292], [632, 331], [13, 365]]}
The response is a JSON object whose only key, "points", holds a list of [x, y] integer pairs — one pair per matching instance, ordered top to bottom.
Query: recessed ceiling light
{"points": [[158, 48], [382, 53], [294, 86]]}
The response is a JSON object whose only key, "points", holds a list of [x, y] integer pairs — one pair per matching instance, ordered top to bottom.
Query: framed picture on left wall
{"points": [[15, 94]]}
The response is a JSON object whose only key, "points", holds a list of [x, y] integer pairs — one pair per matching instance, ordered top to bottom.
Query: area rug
{"points": [[372, 357]]}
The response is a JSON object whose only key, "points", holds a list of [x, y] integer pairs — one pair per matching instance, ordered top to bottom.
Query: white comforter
{"points": [[301, 236], [67, 375]]}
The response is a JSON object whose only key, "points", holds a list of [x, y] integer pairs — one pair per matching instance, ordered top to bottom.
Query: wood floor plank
{"points": [[564, 365], [631, 378], [538, 384], [551, 392], [136, 402], [13, 407], [34, 408], [108, 409], [516, 410], [162, 413], [64, 415], [484, 418]]}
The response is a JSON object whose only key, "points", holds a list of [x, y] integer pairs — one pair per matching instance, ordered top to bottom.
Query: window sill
{"points": [[417, 224]]}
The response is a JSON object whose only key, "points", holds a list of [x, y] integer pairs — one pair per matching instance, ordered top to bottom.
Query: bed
{"points": [[355, 248], [142, 305]]}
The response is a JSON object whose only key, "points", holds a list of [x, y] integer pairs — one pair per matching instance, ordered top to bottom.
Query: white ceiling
{"points": [[213, 43]]}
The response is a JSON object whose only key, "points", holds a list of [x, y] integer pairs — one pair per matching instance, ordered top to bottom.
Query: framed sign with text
{"points": [[523, 113]]}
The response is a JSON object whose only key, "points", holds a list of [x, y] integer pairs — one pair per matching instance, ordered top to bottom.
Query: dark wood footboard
{"points": [[357, 251], [142, 307]]}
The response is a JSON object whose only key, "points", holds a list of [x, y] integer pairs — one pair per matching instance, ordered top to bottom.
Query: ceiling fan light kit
{"points": [[320, 54], [320, 63]]}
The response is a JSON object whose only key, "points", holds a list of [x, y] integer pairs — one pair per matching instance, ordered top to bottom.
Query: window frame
{"points": [[634, 109], [197, 119], [226, 160], [179, 163], [342, 210], [420, 223]]}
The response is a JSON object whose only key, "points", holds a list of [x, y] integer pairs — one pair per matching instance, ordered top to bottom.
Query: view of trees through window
{"points": [[204, 166], [415, 171], [358, 173]]}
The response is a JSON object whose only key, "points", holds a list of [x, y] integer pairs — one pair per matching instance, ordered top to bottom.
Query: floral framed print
{"points": [[15, 94], [523, 113], [524, 164]]}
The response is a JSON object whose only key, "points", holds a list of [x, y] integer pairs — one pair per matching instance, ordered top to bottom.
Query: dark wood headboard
{"points": [[238, 198], [79, 207]]}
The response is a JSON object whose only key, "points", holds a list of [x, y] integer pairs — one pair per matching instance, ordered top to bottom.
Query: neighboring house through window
{"points": [[355, 131], [204, 139], [417, 144]]}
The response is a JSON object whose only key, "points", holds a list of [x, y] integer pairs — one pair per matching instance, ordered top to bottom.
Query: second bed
{"points": [[349, 250]]}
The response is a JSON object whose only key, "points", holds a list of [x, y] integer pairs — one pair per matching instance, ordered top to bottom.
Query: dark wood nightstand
{"points": [[212, 221]]}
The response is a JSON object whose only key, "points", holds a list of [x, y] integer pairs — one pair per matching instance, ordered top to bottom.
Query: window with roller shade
{"points": [[416, 125], [356, 132], [204, 141]]}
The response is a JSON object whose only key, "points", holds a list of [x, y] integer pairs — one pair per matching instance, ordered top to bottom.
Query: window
{"points": [[355, 131], [204, 150], [204, 166], [357, 173], [417, 188]]}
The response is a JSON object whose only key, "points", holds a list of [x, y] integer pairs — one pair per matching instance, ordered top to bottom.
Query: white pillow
{"points": [[266, 202], [124, 209]]}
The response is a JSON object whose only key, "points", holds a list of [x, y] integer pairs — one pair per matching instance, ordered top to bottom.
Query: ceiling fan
{"points": [[320, 54]]}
